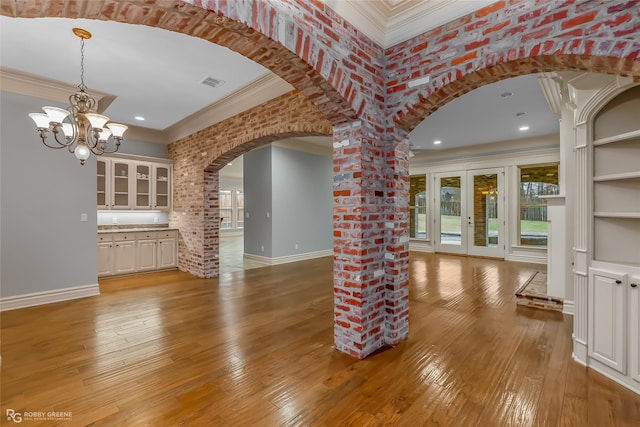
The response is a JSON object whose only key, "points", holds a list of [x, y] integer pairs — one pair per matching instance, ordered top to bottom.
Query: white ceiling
{"points": [[156, 73]]}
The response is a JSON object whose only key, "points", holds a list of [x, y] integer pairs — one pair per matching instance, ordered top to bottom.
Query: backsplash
{"points": [[115, 219]]}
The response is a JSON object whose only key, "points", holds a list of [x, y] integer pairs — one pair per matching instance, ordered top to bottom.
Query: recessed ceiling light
{"points": [[506, 94], [520, 114], [140, 118], [523, 128], [437, 142], [229, 164]]}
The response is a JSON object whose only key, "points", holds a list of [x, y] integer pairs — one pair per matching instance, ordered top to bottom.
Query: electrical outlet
{"points": [[83, 217], [297, 246], [262, 248]]}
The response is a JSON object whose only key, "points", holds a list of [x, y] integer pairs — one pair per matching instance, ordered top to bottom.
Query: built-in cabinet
{"points": [[125, 183], [607, 246], [135, 252]]}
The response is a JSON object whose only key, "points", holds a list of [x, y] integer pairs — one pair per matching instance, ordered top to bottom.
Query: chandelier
{"points": [[79, 128]]}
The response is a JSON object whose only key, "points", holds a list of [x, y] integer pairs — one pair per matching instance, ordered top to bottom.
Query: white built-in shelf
{"points": [[617, 138], [100, 175], [617, 176], [100, 192], [121, 192], [142, 194], [631, 215]]}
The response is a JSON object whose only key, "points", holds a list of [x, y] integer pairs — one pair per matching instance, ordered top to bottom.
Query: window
{"points": [[536, 181], [418, 207], [226, 209], [231, 209], [239, 209]]}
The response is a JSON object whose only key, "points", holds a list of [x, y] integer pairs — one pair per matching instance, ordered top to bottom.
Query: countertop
{"points": [[133, 230]]}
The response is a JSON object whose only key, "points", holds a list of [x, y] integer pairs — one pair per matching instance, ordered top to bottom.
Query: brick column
{"points": [[370, 240], [397, 243]]}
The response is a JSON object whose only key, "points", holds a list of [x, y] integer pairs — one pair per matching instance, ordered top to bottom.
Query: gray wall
{"points": [[143, 148], [296, 188], [257, 202], [302, 202], [44, 245]]}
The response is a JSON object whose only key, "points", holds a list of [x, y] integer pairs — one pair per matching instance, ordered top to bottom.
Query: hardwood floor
{"points": [[254, 348]]}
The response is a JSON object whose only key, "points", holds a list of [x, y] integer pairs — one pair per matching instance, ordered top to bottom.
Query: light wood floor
{"points": [[255, 349]]}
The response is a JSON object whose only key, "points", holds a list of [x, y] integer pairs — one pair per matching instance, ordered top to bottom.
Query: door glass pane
{"points": [[535, 181], [418, 207], [484, 216], [450, 221]]}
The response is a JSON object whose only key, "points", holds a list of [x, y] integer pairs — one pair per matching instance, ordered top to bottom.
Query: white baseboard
{"points": [[420, 246], [289, 258], [526, 258], [47, 297], [568, 307]]}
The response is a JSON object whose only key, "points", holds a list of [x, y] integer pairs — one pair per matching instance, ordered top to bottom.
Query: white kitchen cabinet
{"points": [[133, 182], [103, 183], [120, 184], [161, 187], [136, 251], [124, 253], [167, 253], [105, 255], [146, 255], [607, 318], [634, 327]]}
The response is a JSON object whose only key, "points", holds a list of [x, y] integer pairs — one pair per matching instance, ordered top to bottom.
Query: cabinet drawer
{"points": [[167, 234], [146, 235], [107, 237], [121, 237]]}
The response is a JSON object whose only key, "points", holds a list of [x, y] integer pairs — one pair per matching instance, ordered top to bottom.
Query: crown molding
{"points": [[389, 22], [52, 90], [259, 91]]}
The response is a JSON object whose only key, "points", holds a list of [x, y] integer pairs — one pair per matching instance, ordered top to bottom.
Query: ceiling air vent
{"points": [[211, 81]]}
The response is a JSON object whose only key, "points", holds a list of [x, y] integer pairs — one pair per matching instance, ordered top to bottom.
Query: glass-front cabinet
{"points": [[162, 179], [102, 184], [133, 184], [120, 186], [143, 186]]}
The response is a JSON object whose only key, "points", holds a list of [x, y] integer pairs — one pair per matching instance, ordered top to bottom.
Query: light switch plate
{"points": [[83, 217]]}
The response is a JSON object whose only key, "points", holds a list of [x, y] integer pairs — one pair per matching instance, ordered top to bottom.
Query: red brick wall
{"points": [[506, 39], [363, 91], [199, 157]]}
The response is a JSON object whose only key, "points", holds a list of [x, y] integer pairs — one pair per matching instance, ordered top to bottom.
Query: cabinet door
{"points": [[103, 184], [120, 185], [142, 186], [162, 187], [167, 253], [146, 255], [124, 257], [105, 259], [607, 316], [634, 327]]}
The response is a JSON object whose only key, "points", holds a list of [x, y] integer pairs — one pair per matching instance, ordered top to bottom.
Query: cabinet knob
{"points": [[618, 281], [634, 285]]}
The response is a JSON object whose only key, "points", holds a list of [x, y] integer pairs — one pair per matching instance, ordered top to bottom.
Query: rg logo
{"points": [[14, 416]]}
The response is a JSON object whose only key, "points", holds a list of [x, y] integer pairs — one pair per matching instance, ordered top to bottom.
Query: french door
{"points": [[470, 212]]}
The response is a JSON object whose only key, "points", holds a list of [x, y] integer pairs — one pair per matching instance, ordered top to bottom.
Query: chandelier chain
{"points": [[82, 85]]}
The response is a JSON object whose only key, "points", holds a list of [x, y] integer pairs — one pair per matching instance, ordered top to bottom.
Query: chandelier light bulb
{"points": [[79, 128], [82, 152]]}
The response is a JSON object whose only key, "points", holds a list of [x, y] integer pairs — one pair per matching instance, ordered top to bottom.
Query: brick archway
{"points": [[432, 100], [200, 156]]}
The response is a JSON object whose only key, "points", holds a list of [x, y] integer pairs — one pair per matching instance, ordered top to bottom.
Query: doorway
{"points": [[470, 212]]}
